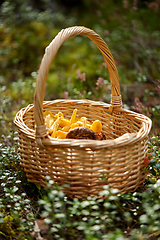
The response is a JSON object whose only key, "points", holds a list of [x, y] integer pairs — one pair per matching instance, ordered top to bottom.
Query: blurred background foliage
{"points": [[130, 28], [132, 31]]}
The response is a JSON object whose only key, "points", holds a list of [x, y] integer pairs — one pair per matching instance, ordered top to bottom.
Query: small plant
{"points": [[141, 108], [151, 112], [154, 151], [16, 211], [114, 216], [16, 218], [88, 218], [149, 220]]}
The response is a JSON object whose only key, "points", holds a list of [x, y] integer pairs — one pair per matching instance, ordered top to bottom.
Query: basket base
{"points": [[86, 176]]}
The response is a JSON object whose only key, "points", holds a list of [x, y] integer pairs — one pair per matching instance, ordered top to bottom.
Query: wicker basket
{"points": [[85, 165]]}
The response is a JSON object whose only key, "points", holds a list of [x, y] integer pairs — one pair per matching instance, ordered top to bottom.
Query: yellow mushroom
{"points": [[47, 112], [59, 114], [73, 118], [84, 119], [49, 120], [64, 122], [80, 124], [74, 125], [96, 126], [66, 128], [54, 129], [61, 134]]}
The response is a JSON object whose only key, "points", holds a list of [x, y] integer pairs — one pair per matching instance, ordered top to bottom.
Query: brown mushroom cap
{"points": [[81, 133], [84, 133]]}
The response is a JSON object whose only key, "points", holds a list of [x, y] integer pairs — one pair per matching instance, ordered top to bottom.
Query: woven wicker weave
{"points": [[83, 164]]}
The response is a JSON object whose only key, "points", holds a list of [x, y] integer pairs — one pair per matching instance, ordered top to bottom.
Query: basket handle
{"points": [[50, 53]]}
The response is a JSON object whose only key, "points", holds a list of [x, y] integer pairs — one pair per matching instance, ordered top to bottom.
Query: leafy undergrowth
{"points": [[30, 212]]}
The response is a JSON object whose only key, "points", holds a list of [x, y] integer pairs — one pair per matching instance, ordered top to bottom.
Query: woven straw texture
{"points": [[85, 165]]}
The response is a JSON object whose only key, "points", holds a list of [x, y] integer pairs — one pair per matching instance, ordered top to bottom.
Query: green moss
{"points": [[7, 228]]}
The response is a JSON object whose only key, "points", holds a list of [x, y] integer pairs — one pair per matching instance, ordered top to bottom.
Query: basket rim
{"points": [[124, 140]]}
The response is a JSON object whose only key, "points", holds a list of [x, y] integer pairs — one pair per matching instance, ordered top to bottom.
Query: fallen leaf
{"points": [[40, 228]]}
